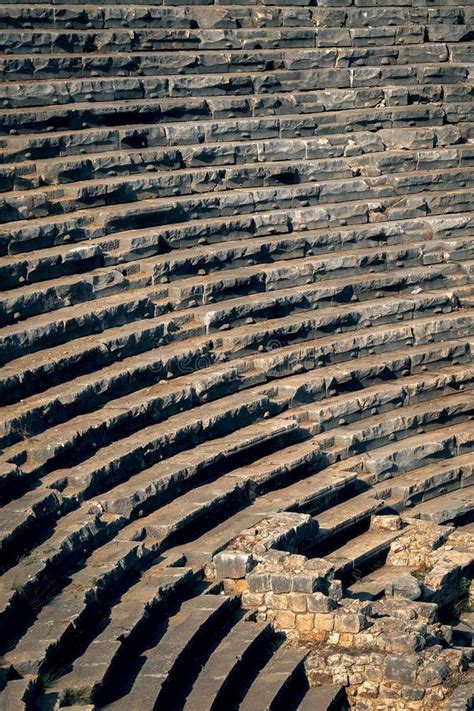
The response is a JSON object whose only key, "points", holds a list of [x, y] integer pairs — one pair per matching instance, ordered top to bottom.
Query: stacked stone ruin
{"points": [[235, 355]]}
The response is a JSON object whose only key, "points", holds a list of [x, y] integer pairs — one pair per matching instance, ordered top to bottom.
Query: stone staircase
{"points": [[236, 281]]}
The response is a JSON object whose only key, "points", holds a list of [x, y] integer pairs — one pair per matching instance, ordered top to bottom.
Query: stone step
{"points": [[329, 3], [231, 16], [44, 41], [195, 62], [419, 82], [88, 115], [240, 133], [330, 152], [402, 172], [263, 173], [159, 191], [298, 204], [283, 234], [277, 246], [236, 272], [282, 289], [35, 299], [154, 303], [80, 320], [276, 333], [146, 334], [279, 362], [21, 378], [352, 406], [385, 428], [75, 434], [418, 451], [205, 461], [110, 462], [434, 479], [159, 484], [234, 489], [313, 492], [208, 504], [451, 507], [26, 516], [339, 520], [362, 551], [31, 578], [373, 585], [138, 607], [59, 619], [166, 661], [281, 673], [220, 675], [18, 695], [324, 698]]}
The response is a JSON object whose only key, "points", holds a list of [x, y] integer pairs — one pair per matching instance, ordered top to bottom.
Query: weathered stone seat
{"points": [[236, 266], [447, 507], [139, 606], [60, 616], [161, 669], [220, 673], [275, 679], [326, 698]]}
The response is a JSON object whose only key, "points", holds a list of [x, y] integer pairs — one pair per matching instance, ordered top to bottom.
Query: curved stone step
{"points": [[237, 16], [323, 82], [73, 168], [236, 264], [450, 507], [139, 607], [235, 652], [164, 663], [273, 680], [324, 698]]}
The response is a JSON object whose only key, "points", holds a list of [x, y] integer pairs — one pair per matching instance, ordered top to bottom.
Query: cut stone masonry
{"points": [[236, 381]]}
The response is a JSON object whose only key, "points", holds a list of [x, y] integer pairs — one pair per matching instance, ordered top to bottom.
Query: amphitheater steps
{"points": [[228, 15], [369, 154], [41, 202], [235, 255], [303, 302], [365, 306], [109, 311], [404, 363], [372, 506], [446, 508], [361, 553], [141, 605], [55, 624], [165, 663], [219, 678], [278, 678], [326, 698]]}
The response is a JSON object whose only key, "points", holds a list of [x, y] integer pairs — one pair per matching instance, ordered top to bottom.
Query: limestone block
{"points": [[233, 564], [258, 582], [404, 586], [297, 602], [318, 602], [285, 619], [324, 621], [305, 622], [349, 622], [402, 669]]}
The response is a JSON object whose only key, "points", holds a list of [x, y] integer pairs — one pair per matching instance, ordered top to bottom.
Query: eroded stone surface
{"points": [[235, 355]]}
